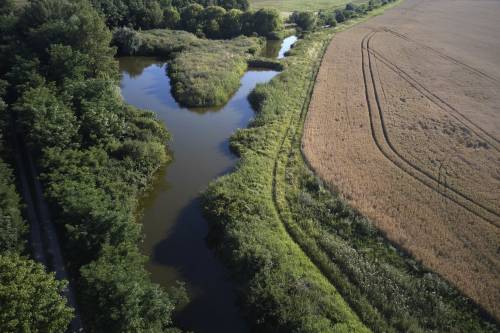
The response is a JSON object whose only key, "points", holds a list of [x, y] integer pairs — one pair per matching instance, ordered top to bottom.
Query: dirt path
{"points": [[405, 122], [43, 236]]}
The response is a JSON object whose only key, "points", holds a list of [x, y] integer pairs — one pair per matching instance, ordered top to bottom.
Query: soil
{"points": [[404, 122]]}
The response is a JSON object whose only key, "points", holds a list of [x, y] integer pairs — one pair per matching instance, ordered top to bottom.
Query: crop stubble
{"points": [[404, 121]]}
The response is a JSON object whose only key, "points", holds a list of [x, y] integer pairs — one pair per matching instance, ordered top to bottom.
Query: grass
{"points": [[291, 5], [204, 72], [305, 260]]}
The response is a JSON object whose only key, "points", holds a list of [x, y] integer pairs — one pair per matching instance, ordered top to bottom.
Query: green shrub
{"points": [[304, 20], [31, 298]]}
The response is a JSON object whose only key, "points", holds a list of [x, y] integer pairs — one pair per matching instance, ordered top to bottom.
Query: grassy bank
{"points": [[204, 72], [306, 261]]}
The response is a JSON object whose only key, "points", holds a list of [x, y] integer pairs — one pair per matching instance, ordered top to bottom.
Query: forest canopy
{"points": [[96, 155]]}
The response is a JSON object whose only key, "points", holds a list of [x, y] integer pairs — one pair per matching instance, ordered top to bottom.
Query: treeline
{"points": [[205, 18], [308, 20], [96, 155], [30, 298]]}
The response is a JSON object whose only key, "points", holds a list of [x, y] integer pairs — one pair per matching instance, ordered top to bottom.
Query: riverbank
{"points": [[204, 72], [171, 215], [304, 259]]}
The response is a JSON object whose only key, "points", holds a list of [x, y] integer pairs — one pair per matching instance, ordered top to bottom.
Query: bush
{"points": [[339, 16], [171, 18], [304, 20], [266, 21], [31, 298]]}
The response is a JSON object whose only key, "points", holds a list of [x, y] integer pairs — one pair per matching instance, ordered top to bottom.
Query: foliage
{"points": [[201, 16], [171, 18], [304, 20], [266, 21], [203, 72], [47, 121], [96, 153], [12, 227], [307, 261], [117, 284], [30, 298]]}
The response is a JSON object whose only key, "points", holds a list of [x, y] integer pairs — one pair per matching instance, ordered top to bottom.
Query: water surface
{"points": [[278, 48], [175, 230]]}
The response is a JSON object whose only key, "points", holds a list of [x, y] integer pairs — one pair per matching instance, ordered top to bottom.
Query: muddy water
{"points": [[175, 230]]}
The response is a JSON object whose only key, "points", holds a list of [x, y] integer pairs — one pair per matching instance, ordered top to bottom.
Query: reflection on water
{"points": [[278, 48], [175, 231]]}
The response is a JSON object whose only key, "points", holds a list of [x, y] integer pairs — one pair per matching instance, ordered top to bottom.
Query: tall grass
{"points": [[204, 72], [306, 261]]}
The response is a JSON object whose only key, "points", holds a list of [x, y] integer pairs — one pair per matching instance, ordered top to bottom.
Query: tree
{"points": [[234, 4], [7, 7], [150, 16], [339, 16], [190, 17], [171, 18], [327, 18], [211, 20], [305, 20], [266, 21], [231, 23], [75, 24], [66, 64], [45, 119], [12, 227], [117, 283], [30, 298]]}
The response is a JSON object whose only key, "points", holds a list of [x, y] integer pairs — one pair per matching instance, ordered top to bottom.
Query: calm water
{"points": [[278, 48], [175, 230]]}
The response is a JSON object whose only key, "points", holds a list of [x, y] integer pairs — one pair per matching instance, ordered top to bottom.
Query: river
{"points": [[174, 228]]}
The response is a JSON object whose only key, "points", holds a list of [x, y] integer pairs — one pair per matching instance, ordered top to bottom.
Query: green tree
{"points": [[234, 4], [7, 7], [150, 16], [339, 16], [190, 17], [171, 18], [211, 20], [305, 20], [266, 21], [75, 24], [232, 25], [66, 64], [45, 119], [12, 227], [117, 283], [30, 298]]}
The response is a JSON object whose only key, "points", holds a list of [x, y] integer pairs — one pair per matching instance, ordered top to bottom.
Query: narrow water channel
{"points": [[175, 230]]}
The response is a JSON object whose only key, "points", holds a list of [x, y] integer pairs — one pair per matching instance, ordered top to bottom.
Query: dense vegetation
{"points": [[205, 18], [308, 20], [203, 72], [96, 154], [306, 260], [30, 298]]}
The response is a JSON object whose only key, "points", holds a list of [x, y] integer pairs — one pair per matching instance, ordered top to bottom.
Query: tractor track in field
{"points": [[444, 56], [438, 101], [400, 161]]}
